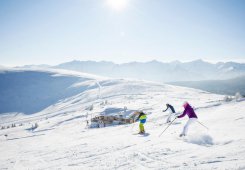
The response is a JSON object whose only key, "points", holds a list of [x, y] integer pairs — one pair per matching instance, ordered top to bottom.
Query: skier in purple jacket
{"points": [[192, 117]]}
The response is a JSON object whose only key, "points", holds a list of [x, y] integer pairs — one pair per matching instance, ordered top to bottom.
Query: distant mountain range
{"points": [[158, 71], [221, 78], [230, 86]]}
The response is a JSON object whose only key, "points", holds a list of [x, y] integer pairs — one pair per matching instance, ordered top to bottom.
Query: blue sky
{"points": [[56, 31]]}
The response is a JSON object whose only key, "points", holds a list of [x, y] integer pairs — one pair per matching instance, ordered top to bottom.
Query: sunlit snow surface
{"points": [[62, 140]]}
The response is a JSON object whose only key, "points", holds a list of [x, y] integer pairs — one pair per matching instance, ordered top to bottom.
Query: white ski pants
{"points": [[170, 116], [169, 119], [188, 123]]}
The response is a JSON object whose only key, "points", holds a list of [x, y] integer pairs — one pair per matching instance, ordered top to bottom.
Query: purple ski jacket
{"points": [[189, 111]]}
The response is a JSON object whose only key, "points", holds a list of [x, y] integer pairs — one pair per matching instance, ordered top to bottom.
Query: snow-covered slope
{"points": [[30, 91], [63, 141]]}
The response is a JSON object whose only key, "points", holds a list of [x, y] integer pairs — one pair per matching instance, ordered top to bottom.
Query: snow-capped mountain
{"points": [[158, 71], [31, 90], [62, 139]]}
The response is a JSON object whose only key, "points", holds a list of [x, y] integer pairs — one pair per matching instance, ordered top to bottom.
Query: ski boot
{"points": [[142, 132], [182, 135]]}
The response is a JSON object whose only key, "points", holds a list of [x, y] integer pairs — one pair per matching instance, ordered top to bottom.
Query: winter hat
{"points": [[185, 104]]}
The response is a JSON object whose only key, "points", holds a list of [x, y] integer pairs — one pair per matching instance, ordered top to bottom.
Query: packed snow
{"points": [[62, 139]]}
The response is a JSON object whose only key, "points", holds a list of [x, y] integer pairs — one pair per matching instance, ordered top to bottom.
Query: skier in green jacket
{"points": [[142, 117]]}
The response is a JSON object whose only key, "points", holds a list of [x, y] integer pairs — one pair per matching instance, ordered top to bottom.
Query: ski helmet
{"points": [[185, 104]]}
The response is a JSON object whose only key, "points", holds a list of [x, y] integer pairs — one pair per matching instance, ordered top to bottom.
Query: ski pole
{"points": [[203, 125], [133, 126], [167, 127]]}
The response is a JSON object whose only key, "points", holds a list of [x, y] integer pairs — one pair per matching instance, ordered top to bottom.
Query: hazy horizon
{"points": [[120, 63]]}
